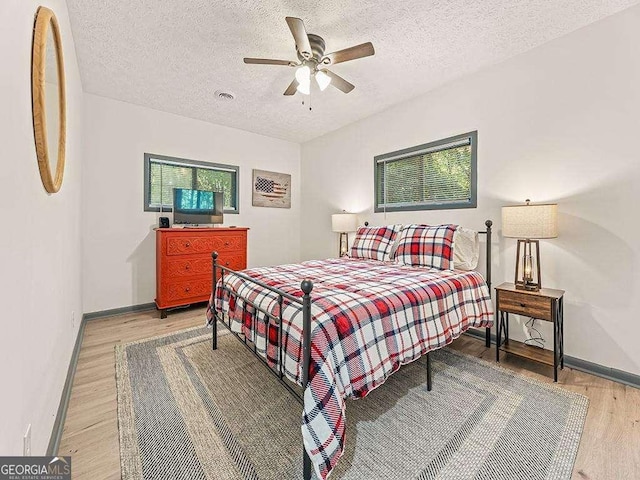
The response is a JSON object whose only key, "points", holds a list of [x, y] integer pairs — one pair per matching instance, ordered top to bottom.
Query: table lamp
{"points": [[343, 223], [528, 223]]}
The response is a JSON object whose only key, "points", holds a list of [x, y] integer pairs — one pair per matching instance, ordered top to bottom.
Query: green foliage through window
{"points": [[163, 174], [438, 175]]}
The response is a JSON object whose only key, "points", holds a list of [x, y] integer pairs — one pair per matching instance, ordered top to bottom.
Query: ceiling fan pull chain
{"points": [[309, 97]]}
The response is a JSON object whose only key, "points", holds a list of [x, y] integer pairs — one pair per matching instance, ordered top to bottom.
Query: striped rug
{"points": [[186, 412]]}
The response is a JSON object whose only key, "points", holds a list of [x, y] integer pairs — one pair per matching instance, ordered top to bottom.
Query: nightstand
{"points": [[545, 304]]}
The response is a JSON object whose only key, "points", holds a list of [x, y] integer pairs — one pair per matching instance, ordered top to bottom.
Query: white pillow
{"points": [[466, 249]]}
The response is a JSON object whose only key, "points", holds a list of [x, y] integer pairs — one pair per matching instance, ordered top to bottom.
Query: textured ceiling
{"points": [[171, 55]]}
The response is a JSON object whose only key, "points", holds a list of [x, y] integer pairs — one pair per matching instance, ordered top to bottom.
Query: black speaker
{"points": [[164, 222]]}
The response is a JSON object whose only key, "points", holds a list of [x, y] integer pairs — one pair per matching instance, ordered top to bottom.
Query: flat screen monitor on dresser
{"points": [[197, 207]]}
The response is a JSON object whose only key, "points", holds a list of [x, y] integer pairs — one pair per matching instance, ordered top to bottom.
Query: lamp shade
{"points": [[530, 221], [344, 222]]}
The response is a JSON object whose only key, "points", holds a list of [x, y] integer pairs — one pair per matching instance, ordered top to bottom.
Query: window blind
{"points": [[438, 174], [165, 175]]}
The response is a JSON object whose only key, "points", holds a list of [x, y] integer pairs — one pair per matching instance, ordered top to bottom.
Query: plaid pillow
{"points": [[374, 242], [425, 246]]}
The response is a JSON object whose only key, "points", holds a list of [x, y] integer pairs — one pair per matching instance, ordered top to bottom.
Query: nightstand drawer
{"points": [[525, 304]]}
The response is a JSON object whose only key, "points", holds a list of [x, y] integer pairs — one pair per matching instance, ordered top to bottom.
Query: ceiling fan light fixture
{"points": [[303, 74], [303, 77], [323, 79], [304, 87]]}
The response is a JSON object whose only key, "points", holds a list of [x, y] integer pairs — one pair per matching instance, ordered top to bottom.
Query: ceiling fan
{"points": [[313, 61]]}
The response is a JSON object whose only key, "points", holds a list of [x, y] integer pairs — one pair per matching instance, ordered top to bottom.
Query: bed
{"points": [[339, 327]]}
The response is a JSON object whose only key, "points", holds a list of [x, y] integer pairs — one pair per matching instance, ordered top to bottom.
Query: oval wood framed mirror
{"points": [[48, 99]]}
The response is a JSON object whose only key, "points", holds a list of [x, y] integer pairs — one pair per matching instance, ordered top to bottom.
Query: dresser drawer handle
{"points": [[188, 244], [226, 244], [226, 264], [187, 267], [187, 289], [523, 305]]}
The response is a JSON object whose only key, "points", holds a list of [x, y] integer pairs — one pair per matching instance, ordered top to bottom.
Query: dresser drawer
{"points": [[190, 244], [233, 260], [189, 266], [196, 289], [525, 304]]}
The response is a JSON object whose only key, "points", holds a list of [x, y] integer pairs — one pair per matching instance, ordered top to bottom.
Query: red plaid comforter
{"points": [[368, 318]]}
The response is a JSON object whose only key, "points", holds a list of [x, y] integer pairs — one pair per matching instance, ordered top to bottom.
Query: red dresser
{"points": [[184, 266]]}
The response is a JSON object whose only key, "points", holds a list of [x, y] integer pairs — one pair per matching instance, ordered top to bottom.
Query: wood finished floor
{"points": [[610, 446]]}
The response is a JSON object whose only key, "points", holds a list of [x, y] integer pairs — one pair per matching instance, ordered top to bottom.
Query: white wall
{"points": [[559, 123], [118, 238], [39, 241]]}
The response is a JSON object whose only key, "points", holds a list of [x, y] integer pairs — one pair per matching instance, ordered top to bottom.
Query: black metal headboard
{"points": [[487, 232]]}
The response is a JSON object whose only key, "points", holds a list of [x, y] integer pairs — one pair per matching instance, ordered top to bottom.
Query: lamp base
{"points": [[343, 244], [530, 278], [529, 287]]}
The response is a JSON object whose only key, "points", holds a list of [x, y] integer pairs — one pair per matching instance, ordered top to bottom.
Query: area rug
{"points": [[187, 412]]}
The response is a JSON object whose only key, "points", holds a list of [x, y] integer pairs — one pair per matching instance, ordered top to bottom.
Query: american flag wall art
{"points": [[271, 189]]}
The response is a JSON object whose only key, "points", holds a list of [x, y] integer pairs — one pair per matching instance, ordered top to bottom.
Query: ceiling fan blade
{"points": [[299, 33], [351, 53], [268, 61], [339, 82], [292, 88]]}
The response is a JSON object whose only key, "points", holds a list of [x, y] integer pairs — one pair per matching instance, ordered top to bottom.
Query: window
{"points": [[163, 174], [437, 175]]}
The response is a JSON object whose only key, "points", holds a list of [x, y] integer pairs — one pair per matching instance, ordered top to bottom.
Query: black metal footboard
{"points": [[305, 302], [278, 371]]}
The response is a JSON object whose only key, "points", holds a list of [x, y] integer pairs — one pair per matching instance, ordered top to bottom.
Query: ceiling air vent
{"points": [[224, 96]]}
